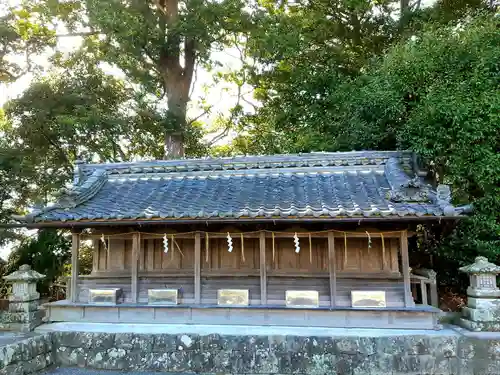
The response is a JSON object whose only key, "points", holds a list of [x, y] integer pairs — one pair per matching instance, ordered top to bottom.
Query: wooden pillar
{"points": [[75, 247], [136, 248], [95, 255], [109, 260], [142, 264], [150, 265], [197, 268], [332, 269], [406, 269], [263, 270], [423, 291], [434, 294]]}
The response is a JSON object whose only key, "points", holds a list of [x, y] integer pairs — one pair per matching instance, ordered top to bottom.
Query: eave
{"points": [[134, 222]]}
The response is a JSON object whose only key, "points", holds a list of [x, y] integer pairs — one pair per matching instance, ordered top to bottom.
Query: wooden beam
{"points": [[280, 234], [75, 247], [136, 249], [197, 268], [332, 269], [406, 269], [263, 270]]}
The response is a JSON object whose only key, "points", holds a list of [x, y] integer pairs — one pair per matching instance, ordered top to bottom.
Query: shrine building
{"points": [[317, 239]]}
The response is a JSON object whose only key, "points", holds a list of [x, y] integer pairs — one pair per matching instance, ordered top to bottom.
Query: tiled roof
{"points": [[320, 185]]}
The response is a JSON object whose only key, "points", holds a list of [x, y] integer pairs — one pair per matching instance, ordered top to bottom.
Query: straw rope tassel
{"points": [[207, 241], [273, 246], [242, 248], [310, 250], [345, 250], [384, 266]]}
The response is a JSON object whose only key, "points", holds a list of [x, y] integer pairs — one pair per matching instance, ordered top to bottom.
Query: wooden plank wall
{"points": [[358, 258], [357, 267], [210, 285], [276, 288]]}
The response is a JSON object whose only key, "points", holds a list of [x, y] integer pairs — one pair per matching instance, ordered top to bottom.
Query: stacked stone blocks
{"points": [[482, 312], [24, 314], [218, 354], [27, 356]]}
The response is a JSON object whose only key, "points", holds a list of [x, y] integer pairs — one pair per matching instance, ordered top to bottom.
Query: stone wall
{"points": [[20, 321], [452, 354], [27, 356]]}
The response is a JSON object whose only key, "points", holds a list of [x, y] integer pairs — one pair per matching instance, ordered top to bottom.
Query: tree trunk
{"points": [[405, 5], [177, 79], [177, 100], [174, 146]]}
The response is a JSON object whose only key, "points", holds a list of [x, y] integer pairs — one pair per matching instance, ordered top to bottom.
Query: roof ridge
{"points": [[316, 159]]}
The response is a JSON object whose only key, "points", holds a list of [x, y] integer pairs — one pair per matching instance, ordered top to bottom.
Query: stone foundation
{"points": [[20, 321], [448, 352], [27, 356]]}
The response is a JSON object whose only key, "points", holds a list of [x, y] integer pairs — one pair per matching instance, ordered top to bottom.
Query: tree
{"points": [[21, 39], [159, 44], [310, 57], [438, 94], [78, 112], [46, 253]]}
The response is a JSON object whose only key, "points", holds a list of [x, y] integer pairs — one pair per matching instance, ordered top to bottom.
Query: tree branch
{"points": [[82, 33], [189, 63], [194, 80], [200, 115], [229, 122], [218, 137], [67, 166]]}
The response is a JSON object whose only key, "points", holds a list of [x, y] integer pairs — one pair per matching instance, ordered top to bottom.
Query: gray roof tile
{"points": [[329, 185]]}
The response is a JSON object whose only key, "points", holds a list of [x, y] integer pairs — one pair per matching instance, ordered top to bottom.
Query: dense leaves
{"points": [[436, 92], [83, 114], [47, 253]]}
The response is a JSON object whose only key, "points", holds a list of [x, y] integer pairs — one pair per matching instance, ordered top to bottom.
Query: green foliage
{"points": [[23, 35], [159, 44], [305, 54], [327, 75], [437, 93], [82, 113], [46, 253]]}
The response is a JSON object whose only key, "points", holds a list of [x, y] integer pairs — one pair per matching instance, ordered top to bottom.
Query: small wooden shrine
{"points": [[315, 239]]}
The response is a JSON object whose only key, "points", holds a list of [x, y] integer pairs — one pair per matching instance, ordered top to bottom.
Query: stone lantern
{"points": [[483, 303], [24, 314]]}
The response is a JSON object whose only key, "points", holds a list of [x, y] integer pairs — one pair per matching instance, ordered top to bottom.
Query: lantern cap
{"points": [[481, 266], [25, 273]]}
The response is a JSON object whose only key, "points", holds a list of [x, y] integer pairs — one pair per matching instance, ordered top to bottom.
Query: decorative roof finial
{"points": [[77, 171]]}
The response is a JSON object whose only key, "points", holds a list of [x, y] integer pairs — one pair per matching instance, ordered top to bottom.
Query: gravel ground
{"points": [[79, 371]]}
